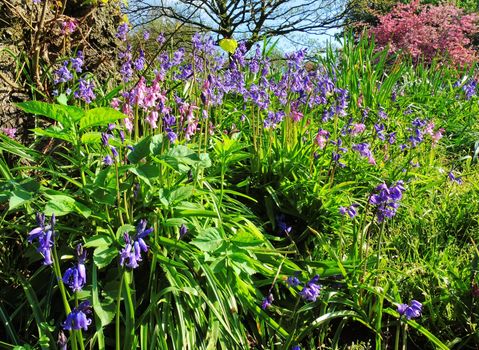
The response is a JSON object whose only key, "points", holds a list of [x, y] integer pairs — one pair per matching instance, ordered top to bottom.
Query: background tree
{"points": [[250, 20]]}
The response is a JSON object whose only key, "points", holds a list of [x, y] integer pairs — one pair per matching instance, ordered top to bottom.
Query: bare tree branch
{"points": [[250, 20]]}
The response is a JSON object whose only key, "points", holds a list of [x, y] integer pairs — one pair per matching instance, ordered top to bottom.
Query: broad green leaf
{"points": [[66, 115], [101, 116], [61, 134], [91, 137], [156, 144], [140, 150], [18, 198], [62, 205], [124, 229], [100, 240], [208, 240], [103, 255]]}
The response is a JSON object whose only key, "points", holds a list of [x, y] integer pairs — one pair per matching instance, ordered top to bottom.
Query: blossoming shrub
{"points": [[428, 32]]}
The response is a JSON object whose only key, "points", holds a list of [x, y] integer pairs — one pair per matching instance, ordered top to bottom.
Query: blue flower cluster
{"points": [[387, 199], [44, 234], [131, 254], [75, 277], [413, 310], [77, 319]]}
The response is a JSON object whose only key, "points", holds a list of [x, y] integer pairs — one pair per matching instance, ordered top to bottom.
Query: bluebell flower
{"points": [[122, 31], [77, 62], [63, 74], [470, 88], [85, 90], [108, 160], [455, 179], [386, 199], [351, 210], [282, 226], [183, 230], [44, 234], [130, 255], [75, 277], [293, 281], [311, 290], [267, 301], [413, 310], [77, 319], [62, 340], [296, 347]]}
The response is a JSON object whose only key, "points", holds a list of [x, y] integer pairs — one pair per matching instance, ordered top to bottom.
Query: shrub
{"points": [[428, 32]]}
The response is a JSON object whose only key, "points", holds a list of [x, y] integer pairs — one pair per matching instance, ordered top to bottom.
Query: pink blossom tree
{"points": [[428, 32]]}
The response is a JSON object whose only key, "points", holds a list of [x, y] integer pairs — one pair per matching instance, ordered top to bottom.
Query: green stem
{"points": [[61, 287], [117, 321]]}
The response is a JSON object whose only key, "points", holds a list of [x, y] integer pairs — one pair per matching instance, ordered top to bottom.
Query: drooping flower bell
{"points": [[44, 234], [75, 277], [77, 319]]}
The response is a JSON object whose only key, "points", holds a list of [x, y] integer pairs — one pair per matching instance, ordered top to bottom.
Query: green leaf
{"points": [[62, 99], [66, 115], [101, 116], [55, 133], [91, 137], [156, 144], [140, 150], [146, 172], [18, 198], [62, 205], [124, 229], [100, 240], [208, 240], [103, 255]]}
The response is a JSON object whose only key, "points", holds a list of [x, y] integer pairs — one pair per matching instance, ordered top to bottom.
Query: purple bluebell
{"points": [[122, 31], [146, 35], [77, 62], [139, 63], [63, 74], [470, 88], [85, 90], [382, 114], [105, 137], [364, 151], [114, 152], [108, 160], [455, 179], [386, 199], [351, 210], [283, 228], [183, 230], [44, 234], [130, 255], [75, 277], [293, 281], [311, 290], [267, 301], [413, 310], [77, 319], [62, 340], [296, 347]]}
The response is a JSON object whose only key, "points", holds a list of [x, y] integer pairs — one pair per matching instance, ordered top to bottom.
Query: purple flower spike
{"points": [[44, 234], [131, 254], [75, 277], [311, 290], [267, 301], [413, 310], [77, 319]]}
